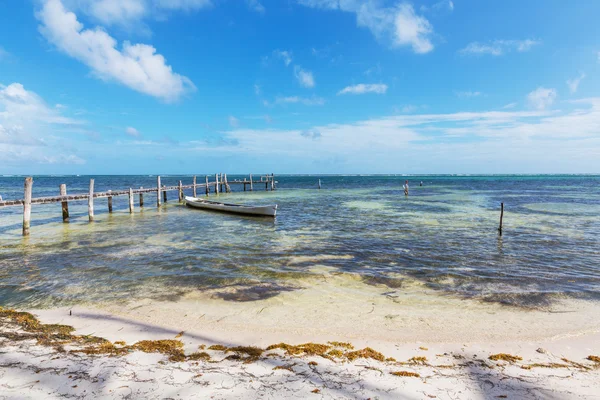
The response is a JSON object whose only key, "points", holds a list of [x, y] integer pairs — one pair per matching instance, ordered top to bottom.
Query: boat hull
{"points": [[264, 211]]}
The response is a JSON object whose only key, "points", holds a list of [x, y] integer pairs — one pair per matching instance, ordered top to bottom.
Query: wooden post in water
{"points": [[272, 181], [216, 183], [244, 184], [251, 184], [319, 184], [28, 186], [207, 187], [227, 187], [194, 188], [158, 191], [180, 192], [164, 194], [141, 198], [91, 201], [130, 201], [110, 202], [65, 204], [501, 217]]}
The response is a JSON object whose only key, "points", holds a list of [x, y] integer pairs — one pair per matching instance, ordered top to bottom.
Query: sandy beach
{"points": [[361, 335]]}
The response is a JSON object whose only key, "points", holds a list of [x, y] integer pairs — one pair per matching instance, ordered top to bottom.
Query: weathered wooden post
{"points": [[221, 181], [272, 181], [216, 183], [244, 184], [251, 184], [319, 184], [194, 187], [207, 187], [227, 187], [158, 191], [180, 192], [165, 194], [141, 197], [91, 201], [130, 201], [109, 202], [65, 204], [27, 206], [501, 217]]}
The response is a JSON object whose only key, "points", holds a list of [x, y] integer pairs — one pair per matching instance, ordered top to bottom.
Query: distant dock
{"points": [[220, 184]]}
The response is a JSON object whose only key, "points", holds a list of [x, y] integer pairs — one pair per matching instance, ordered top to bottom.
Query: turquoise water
{"points": [[443, 235]]}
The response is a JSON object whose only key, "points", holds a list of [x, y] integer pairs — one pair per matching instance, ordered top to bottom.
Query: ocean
{"points": [[442, 236]]}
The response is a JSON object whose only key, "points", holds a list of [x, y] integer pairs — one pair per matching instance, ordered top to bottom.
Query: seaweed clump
{"points": [[344, 345], [218, 347], [172, 348], [310, 349], [367, 352], [247, 354], [505, 357], [595, 359], [418, 360], [406, 373]]}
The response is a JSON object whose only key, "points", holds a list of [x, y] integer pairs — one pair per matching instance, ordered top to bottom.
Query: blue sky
{"points": [[299, 86]]}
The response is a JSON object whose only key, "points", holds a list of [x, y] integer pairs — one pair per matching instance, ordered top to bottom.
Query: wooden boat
{"points": [[196, 202]]}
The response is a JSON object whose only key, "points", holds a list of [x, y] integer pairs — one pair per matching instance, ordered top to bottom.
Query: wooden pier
{"points": [[221, 184]]}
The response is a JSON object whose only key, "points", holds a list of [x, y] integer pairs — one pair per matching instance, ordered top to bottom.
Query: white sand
{"points": [[457, 336]]}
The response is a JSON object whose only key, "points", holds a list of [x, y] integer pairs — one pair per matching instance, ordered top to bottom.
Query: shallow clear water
{"points": [[444, 235]]}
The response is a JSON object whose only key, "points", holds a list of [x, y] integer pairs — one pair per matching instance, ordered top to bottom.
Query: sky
{"points": [[299, 86]]}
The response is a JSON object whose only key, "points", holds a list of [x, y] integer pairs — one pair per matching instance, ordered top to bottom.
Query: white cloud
{"points": [[182, 4], [255, 5], [439, 6], [118, 11], [130, 12], [399, 24], [412, 30], [500, 47], [284, 55], [136, 66], [304, 77], [574, 83], [363, 88], [257, 89], [468, 94], [541, 98], [307, 101], [509, 106], [233, 121], [28, 128], [131, 131], [311, 134]]}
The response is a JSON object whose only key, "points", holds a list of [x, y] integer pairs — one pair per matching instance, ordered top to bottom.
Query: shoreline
{"points": [[439, 345]]}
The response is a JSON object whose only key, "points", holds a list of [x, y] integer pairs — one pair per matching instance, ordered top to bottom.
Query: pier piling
{"points": [[216, 183], [251, 184], [28, 186], [194, 187], [207, 187], [180, 189], [158, 191], [164, 194], [141, 198], [91, 201], [130, 201], [110, 202], [64, 204], [501, 217]]}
